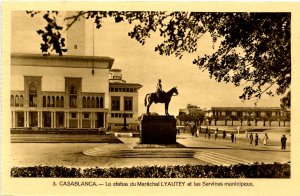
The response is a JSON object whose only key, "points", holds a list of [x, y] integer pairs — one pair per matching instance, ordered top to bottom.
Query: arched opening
{"points": [[32, 95], [84, 102]]}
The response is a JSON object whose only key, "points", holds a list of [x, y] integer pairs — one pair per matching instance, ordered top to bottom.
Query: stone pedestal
{"points": [[158, 130]]}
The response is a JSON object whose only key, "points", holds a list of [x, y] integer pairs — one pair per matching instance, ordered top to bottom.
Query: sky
{"points": [[140, 64]]}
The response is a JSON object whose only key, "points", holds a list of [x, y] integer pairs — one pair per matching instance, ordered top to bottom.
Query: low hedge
{"points": [[256, 170]]}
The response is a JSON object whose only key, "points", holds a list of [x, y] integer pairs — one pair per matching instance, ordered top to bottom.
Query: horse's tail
{"points": [[146, 99]]}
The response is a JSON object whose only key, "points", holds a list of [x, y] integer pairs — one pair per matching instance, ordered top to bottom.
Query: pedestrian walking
{"points": [[194, 130], [197, 132], [208, 134], [216, 134], [224, 134], [232, 137], [251, 138], [256, 139], [265, 139], [283, 142]]}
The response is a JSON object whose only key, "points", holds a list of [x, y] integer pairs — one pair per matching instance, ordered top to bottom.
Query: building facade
{"points": [[77, 90], [68, 91], [123, 102]]}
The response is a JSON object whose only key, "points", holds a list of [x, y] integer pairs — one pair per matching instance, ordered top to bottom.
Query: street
{"points": [[197, 150]]}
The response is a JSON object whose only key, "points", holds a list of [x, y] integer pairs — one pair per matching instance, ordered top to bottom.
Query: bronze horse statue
{"points": [[166, 98]]}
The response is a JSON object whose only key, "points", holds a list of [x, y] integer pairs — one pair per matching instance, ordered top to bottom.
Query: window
{"points": [[32, 95], [73, 96], [12, 100], [17, 101], [21, 101], [44, 101], [48, 101], [53, 101], [57, 101], [62, 101], [84, 102], [88, 102], [93, 102], [97, 102], [101, 102], [115, 103], [128, 103], [227, 113], [239, 114], [257, 114], [268, 114], [73, 115], [86, 115]]}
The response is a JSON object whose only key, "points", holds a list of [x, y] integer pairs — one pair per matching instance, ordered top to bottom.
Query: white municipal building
{"points": [[76, 90]]}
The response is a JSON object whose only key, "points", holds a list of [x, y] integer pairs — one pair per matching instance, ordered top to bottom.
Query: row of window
{"points": [[113, 89], [16, 101], [57, 101], [92, 102], [115, 103], [240, 114], [120, 115]]}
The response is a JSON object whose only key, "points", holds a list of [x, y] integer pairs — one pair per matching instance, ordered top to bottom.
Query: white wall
{"points": [[53, 78]]}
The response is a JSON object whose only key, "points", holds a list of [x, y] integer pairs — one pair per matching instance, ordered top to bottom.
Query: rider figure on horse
{"points": [[159, 91]]}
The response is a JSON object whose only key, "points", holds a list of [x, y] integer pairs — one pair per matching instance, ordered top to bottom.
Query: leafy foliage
{"points": [[252, 49], [275, 170]]}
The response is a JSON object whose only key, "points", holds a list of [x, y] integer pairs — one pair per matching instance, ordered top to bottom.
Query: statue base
{"points": [[158, 130]]}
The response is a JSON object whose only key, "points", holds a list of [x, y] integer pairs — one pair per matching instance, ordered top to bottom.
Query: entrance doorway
{"points": [[33, 119], [46, 119], [60, 119], [100, 119], [19, 121]]}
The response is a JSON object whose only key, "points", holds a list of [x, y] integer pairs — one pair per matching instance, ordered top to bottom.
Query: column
{"points": [[41, 115], [51, 116], [26, 119], [39, 119], [54, 119], [67, 119], [78, 119], [92, 120], [104, 120]]}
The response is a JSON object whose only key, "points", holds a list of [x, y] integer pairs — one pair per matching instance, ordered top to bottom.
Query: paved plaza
{"points": [[196, 150]]}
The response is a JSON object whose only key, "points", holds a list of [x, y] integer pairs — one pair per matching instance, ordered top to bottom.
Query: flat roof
{"points": [[53, 60], [125, 84]]}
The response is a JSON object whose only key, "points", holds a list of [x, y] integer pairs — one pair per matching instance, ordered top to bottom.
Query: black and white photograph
{"points": [[194, 97]]}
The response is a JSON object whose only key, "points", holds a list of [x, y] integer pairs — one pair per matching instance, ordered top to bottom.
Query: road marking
{"points": [[219, 159]]}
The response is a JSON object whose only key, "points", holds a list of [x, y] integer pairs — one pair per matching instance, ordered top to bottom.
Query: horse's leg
{"points": [[148, 107], [167, 108]]}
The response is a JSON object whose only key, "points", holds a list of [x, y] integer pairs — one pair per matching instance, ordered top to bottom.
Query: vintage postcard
{"points": [[146, 98]]}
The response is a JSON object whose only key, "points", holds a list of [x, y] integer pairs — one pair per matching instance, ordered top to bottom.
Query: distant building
{"points": [[244, 115]]}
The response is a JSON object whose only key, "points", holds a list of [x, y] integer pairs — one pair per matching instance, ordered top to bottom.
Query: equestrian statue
{"points": [[160, 97]]}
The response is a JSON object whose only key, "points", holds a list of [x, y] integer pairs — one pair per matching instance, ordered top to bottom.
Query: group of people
{"points": [[252, 138], [266, 139]]}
